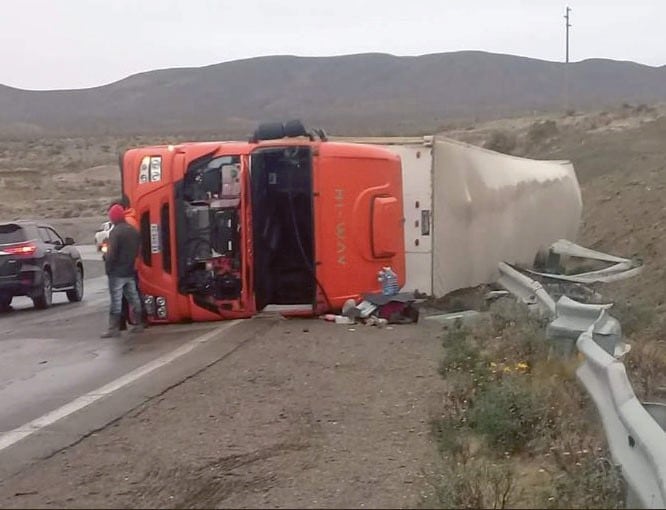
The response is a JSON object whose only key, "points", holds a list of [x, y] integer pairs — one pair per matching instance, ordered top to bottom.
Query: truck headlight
{"points": [[155, 168], [144, 170], [149, 303], [161, 311]]}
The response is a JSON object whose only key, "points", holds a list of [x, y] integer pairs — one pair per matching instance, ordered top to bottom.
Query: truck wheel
{"points": [[45, 296]]}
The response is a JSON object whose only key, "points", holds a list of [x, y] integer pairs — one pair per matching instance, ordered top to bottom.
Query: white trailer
{"points": [[467, 209]]}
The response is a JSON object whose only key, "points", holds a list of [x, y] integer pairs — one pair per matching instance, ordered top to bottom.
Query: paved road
{"points": [[89, 252], [50, 358]]}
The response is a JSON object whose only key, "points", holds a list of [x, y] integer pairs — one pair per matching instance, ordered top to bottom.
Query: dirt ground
{"points": [[311, 414]]}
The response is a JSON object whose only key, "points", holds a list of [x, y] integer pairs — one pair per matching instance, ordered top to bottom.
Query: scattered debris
{"points": [[563, 254], [389, 281], [469, 298], [379, 309], [464, 317], [338, 319], [376, 321]]}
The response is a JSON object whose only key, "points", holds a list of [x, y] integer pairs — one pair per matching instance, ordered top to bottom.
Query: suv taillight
{"points": [[25, 249]]}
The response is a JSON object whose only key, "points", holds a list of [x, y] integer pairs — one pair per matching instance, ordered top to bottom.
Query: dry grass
{"points": [[63, 177], [516, 429]]}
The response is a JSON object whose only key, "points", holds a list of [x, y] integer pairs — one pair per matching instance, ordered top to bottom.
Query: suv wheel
{"points": [[76, 294], [45, 296], [5, 302]]}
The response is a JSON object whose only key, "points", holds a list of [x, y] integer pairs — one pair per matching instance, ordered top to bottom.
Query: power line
{"points": [[568, 25]]}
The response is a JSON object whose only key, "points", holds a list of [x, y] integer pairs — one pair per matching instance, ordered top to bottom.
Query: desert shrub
{"points": [[644, 109], [541, 131], [501, 141], [55, 150], [633, 317], [461, 354], [646, 367], [508, 408], [510, 414], [449, 430], [587, 481], [475, 483]]}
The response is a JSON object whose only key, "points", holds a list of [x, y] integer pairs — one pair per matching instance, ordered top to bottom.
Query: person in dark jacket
{"points": [[131, 219], [123, 250]]}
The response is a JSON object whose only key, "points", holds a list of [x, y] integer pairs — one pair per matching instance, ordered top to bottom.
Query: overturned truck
{"points": [[295, 222]]}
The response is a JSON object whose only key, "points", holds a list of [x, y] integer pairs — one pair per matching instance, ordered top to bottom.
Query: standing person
{"points": [[131, 219], [124, 245]]}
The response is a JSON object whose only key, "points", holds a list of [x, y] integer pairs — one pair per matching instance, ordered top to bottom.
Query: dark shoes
{"points": [[114, 327], [137, 328]]}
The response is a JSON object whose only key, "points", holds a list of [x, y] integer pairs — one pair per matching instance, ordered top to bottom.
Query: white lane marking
{"points": [[14, 436]]}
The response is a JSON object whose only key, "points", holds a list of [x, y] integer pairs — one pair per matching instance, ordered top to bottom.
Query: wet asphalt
{"points": [[50, 357]]}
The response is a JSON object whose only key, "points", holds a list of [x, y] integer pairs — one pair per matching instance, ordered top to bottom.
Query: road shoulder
{"points": [[306, 414]]}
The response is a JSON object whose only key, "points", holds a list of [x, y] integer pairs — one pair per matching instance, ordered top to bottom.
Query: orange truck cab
{"points": [[287, 221]]}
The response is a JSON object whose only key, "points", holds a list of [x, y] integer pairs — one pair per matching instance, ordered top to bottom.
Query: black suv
{"points": [[35, 262]]}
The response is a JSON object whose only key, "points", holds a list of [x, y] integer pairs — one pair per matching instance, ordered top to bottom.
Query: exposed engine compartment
{"points": [[209, 230]]}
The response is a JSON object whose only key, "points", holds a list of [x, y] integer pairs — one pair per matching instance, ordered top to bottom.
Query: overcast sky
{"points": [[46, 44]]}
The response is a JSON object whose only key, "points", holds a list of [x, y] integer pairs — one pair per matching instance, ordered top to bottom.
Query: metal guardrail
{"points": [[529, 291], [635, 431], [636, 440]]}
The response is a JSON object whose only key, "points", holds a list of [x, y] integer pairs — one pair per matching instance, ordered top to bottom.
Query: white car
{"points": [[102, 234]]}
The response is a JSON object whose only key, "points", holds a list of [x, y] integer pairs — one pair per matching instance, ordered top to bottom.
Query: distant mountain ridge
{"points": [[353, 94]]}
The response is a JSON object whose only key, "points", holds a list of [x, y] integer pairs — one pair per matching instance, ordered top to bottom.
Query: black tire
{"points": [[76, 294], [45, 297], [5, 302]]}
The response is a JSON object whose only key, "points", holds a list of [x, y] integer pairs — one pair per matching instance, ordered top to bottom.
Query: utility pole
{"points": [[568, 25], [566, 65]]}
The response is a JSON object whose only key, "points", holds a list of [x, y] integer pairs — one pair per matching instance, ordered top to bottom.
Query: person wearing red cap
{"points": [[131, 218], [123, 249]]}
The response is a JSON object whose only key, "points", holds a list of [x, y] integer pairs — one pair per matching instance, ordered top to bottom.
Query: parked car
{"points": [[102, 234], [35, 261]]}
